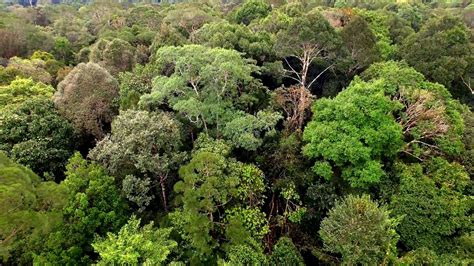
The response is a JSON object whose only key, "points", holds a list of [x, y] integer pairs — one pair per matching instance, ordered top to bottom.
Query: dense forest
{"points": [[256, 132]]}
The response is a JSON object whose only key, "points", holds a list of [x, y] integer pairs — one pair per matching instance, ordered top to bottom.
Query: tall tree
{"points": [[250, 10], [304, 42], [361, 43], [256, 45], [442, 51], [115, 55], [213, 89], [20, 90], [86, 97], [431, 120], [354, 133], [35, 135], [143, 146], [219, 197], [435, 203], [93, 208], [31, 210], [360, 231]]}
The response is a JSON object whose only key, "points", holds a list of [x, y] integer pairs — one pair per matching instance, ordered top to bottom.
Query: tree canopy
{"points": [[250, 132]]}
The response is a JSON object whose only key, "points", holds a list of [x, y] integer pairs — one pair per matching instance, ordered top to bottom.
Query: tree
{"points": [[250, 10], [188, 19], [379, 23], [74, 29], [167, 36], [306, 40], [303, 42], [361, 43], [11, 44], [256, 45], [63, 50], [446, 51], [115, 55], [24, 68], [136, 83], [213, 89], [20, 90], [86, 98], [413, 116], [431, 120], [248, 131], [354, 132], [35, 135], [143, 144], [218, 194], [433, 199], [94, 207], [31, 209], [360, 230], [135, 245], [285, 253], [246, 255], [426, 256]]}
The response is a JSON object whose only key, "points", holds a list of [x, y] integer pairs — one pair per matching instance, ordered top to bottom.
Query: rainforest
{"points": [[236, 132]]}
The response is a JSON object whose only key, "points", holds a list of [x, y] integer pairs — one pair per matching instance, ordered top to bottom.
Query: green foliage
{"points": [[250, 10], [188, 18], [379, 23], [74, 29], [308, 30], [167, 36], [305, 42], [361, 43], [256, 45], [63, 50], [441, 50], [41, 55], [116, 55], [35, 69], [136, 83], [212, 88], [20, 90], [86, 98], [193, 114], [432, 121], [247, 131], [354, 132], [35, 135], [468, 140], [143, 144], [210, 182], [432, 199], [94, 206], [30, 209], [252, 219], [360, 230], [135, 245], [285, 253], [246, 255], [424, 256]]}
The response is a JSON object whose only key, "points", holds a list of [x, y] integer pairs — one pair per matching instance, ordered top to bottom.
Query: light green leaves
{"points": [[214, 90], [353, 132], [134, 245]]}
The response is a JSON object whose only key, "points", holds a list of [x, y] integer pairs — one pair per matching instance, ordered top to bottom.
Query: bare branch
{"points": [[319, 75]]}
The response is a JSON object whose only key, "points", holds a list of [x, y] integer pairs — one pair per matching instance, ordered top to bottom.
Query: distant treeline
{"points": [[329, 3]]}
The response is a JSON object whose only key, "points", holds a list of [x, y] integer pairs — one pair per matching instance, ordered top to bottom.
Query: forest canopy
{"points": [[240, 132]]}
